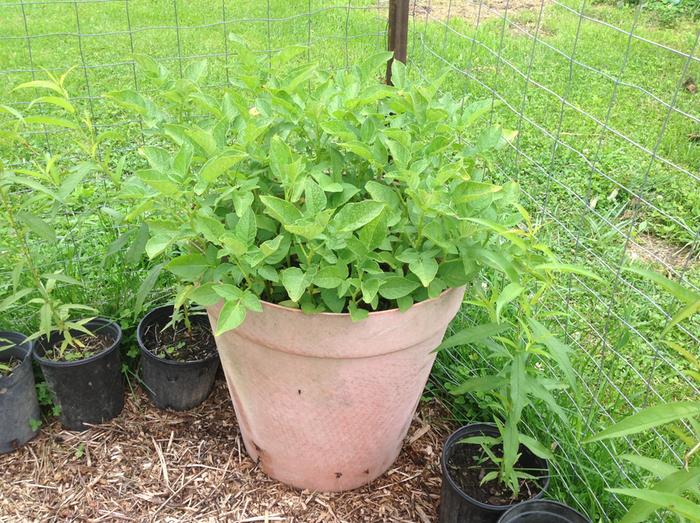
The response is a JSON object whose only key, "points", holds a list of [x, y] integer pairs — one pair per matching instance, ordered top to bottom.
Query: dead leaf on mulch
{"points": [[149, 465]]}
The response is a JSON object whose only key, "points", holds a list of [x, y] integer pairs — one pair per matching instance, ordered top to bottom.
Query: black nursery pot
{"points": [[170, 384], [89, 390], [18, 404], [458, 507], [542, 511]]}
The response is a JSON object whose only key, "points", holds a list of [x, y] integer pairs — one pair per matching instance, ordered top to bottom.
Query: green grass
{"points": [[587, 212]]}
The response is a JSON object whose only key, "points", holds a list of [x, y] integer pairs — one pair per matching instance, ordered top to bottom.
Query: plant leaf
{"points": [[219, 164], [281, 210], [352, 216], [38, 226], [189, 267], [565, 267], [425, 268], [295, 282], [146, 286], [395, 287], [673, 288], [507, 295], [231, 316], [474, 334], [558, 350], [480, 384], [649, 418], [536, 447], [675, 483], [673, 502]]}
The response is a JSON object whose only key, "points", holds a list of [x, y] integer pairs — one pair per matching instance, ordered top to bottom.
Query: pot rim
{"points": [[347, 314], [105, 323], [23, 344], [147, 352], [458, 434], [546, 502]]}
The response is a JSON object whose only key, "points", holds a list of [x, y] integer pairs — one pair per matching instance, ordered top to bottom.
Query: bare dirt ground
{"points": [[471, 11], [657, 251], [151, 465]]}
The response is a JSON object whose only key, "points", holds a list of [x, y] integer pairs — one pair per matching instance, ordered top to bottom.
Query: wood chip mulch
{"points": [[149, 465]]}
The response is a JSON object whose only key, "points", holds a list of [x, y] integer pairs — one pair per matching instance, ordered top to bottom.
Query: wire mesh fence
{"points": [[607, 154]]}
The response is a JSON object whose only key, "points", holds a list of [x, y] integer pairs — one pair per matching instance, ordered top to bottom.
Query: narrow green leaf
{"points": [[43, 84], [58, 101], [51, 120], [71, 181], [159, 181], [38, 226], [247, 228], [508, 234], [138, 246], [565, 267], [63, 278], [146, 286], [673, 288], [507, 295], [14, 298], [683, 314], [474, 334], [558, 350], [518, 378], [480, 384], [538, 390], [649, 418], [536, 447], [657, 467], [674, 483], [673, 502]]}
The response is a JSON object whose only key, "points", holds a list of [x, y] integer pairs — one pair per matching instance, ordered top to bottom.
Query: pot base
{"points": [[324, 403]]}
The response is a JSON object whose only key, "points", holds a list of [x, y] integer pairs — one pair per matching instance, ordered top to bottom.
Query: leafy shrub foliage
{"points": [[327, 191]]}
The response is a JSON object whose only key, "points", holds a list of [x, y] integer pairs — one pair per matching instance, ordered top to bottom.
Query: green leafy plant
{"points": [[325, 191], [35, 193], [54, 315], [525, 360], [675, 489]]}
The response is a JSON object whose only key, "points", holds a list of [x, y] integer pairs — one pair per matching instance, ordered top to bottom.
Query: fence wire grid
{"points": [[603, 98]]}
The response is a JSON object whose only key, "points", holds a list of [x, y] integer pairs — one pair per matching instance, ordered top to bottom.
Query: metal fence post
{"points": [[398, 33]]}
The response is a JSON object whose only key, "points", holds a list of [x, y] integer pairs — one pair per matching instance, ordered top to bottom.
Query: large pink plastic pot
{"points": [[324, 403]]}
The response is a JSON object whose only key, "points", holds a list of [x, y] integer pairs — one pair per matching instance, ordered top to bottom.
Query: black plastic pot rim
{"points": [[106, 323], [24, 341], [147, 352], [454, 437], [550, 502]]}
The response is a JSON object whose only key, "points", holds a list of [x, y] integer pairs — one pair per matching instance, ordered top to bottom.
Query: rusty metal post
{"points": [[398, 33]]}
